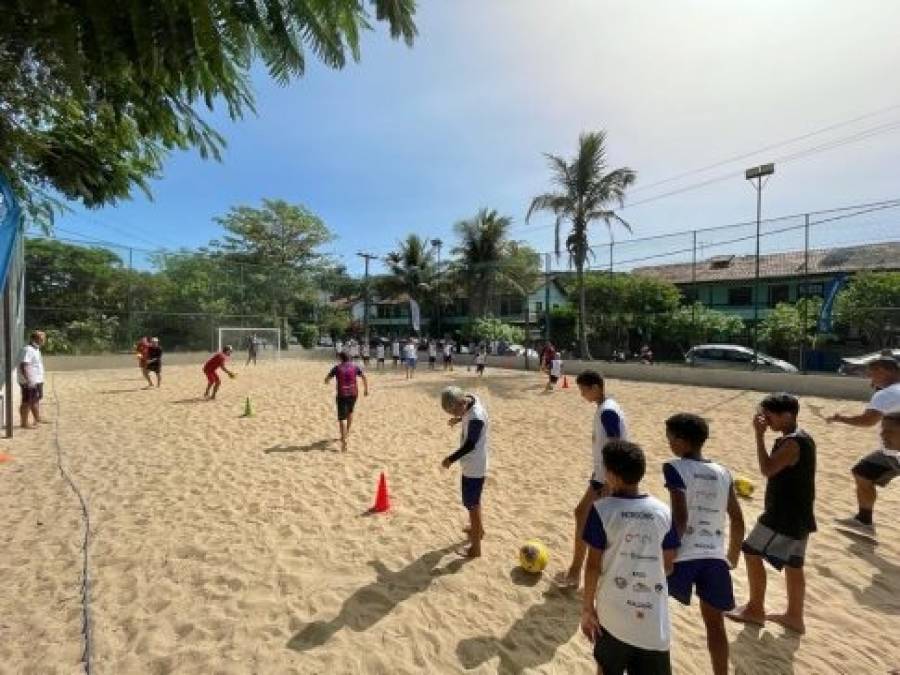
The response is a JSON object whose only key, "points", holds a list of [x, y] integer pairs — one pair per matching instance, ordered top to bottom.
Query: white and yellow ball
{"points": [[743, 487], [533, 556]]}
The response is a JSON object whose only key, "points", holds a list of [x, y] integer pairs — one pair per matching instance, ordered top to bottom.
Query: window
{"points": [[810, 291], [779, 293], [689, 296], [740, 297], [555, 306], [538, 307], [739, 357]]}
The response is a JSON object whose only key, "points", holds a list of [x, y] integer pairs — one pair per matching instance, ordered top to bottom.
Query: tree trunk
{"points": [[582, 313]]}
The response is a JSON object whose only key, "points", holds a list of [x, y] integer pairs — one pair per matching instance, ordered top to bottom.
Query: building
{"points": [[726, 282], [391, 316]]}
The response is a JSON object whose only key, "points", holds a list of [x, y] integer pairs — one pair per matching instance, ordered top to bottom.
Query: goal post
{"points": [[267, 341]]}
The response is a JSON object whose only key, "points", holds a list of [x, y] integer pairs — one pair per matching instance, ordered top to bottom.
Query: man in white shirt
{"points": [[395, 351], [379, 356], [410, 356], [31, 378], [467, 410], [880, 467]]}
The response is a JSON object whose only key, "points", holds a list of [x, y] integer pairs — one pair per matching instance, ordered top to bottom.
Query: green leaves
{"points": [[93, 95], [870, 303]]}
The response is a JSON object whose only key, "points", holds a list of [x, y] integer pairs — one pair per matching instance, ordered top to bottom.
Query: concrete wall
{"points": [[115, 361], [826, 386]]}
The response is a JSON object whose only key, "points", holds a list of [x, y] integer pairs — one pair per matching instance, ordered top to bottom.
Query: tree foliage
{"points": [[93, 95], [585, 191], [870, 303], [694, 324], [784, 327], [490, 328]]}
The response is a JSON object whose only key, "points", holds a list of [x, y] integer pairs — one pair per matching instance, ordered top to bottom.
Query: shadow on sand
{"points": [[187, 401], [323, 444], [883, 592], [371, 603], [533, 639], [755, 650]]}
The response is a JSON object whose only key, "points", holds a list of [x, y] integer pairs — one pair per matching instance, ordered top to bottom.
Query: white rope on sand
{"points": [[87, 654]]}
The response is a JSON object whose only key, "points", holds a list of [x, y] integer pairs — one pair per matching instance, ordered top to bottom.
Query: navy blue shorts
{"points": [[471, 492], [712, 579]]}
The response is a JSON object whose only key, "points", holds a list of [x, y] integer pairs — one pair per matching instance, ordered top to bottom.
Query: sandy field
{"points": [[225, 544]]}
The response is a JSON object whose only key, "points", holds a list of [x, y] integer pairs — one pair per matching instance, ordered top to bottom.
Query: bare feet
{"points": [[344, 445], [471, 552], [566, 580], [746, 615], [788, 622]]}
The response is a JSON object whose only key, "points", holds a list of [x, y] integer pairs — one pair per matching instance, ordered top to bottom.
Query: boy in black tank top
{"points": [[780, 536]]}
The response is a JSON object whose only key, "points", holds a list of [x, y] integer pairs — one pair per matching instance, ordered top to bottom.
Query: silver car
{"points": [[737, 357]]}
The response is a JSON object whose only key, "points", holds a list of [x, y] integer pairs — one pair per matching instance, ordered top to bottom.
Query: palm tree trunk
{"points": [[582, 312]]}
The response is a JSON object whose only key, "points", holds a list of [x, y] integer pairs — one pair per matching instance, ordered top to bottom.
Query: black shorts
{"points": [[432, 359], [448, 359], [154, 367], [479, 368], [554, 379], [32, 394], [345, 405], [878, 467], [471, 491], [616, 658]]}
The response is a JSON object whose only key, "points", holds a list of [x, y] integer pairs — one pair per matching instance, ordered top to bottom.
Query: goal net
{"points": [[266, 342]]}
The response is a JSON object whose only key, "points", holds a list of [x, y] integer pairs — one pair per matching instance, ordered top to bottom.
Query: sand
{"points": [[232, 545]]}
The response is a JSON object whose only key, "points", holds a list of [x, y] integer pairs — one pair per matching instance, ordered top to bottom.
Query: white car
{"points": [[519, 350], [737, 357]]}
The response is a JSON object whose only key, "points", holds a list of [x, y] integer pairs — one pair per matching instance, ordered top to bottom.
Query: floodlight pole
{"points": [[755, 176], [437, 243], [367, 257]]}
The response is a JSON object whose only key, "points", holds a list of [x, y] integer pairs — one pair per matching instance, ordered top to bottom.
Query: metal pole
{"points": [[366, 257], [756, 275], [694, 285], [805, 292], [547, 298], [129, 300], [439, 329], [7, 359]]}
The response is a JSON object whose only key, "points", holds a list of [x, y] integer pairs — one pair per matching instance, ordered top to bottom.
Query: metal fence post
{"points": [[694, 285], [805, 292], [547, 298], [130, 300]]}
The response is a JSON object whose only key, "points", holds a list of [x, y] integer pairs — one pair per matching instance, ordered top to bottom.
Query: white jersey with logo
{"points": [[338, 346], [354, 349], [395, 349], [432, 350], [448, 350], [365, 351], [379, 351], [409, 352], [479, 359], [34, 366], [556, 367], [887, 401], [610, 409], [475, 464], [706, 487], [632, 596]]}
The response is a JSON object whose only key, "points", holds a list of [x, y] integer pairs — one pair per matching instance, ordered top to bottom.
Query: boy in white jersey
{"points": [[395, 351], [432, 354], [448, 355], [379, 356], [480, 358], [555, 370], [609, 425], [472, 455], [701, 494], [631, 547]]}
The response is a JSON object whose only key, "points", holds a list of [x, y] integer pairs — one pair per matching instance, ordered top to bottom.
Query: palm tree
{"points": [[585, 192], [484, 245], [412, 269]]}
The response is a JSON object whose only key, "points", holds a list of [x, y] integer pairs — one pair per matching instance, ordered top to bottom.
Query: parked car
{"points": [[326, 341], [519, 350], [735, 356], [856, 365]]}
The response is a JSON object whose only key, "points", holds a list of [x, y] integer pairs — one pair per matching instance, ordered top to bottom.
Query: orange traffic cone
{"points": [[565, 382], [5, 458], [382, 500]]}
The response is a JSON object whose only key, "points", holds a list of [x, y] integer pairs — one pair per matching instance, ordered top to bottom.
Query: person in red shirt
{"points": [[142, 348], [547, 354], [215, 362], [345, 374]]}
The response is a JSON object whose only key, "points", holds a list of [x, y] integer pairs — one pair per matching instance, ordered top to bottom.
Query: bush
{"points": [[485, 330], [307, 335], [86, 336]]}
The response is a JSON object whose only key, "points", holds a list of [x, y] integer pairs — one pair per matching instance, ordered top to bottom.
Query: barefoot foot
{"points": [[471, 552], [566, 580], [747, 615], [788, 622]]}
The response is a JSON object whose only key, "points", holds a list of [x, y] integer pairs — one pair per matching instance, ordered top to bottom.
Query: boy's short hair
{"points": [[228, 349], [343, 357], [885, 362], [589, 378], [450, 398], [781, 403], [892, 417], [688, 427], [626, 460]]}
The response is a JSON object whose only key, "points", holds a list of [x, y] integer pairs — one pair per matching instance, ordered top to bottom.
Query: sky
{"points": [[415, 139]]}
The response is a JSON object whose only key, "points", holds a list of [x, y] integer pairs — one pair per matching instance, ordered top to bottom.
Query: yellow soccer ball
{"points": [[743, 487], [533, 556]]}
